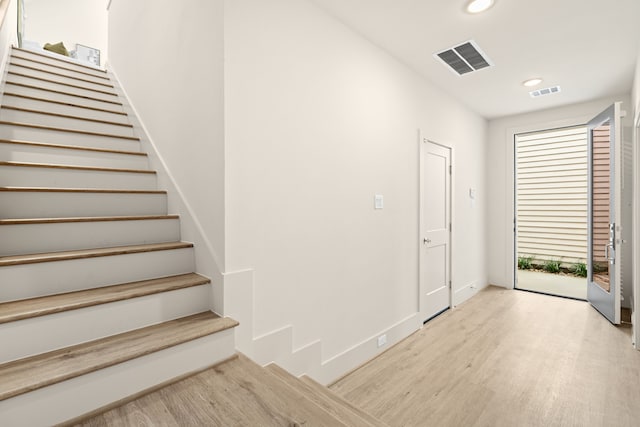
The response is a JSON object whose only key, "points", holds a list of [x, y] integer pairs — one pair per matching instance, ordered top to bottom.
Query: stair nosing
{"points": [[12, 64], [100, 70], [105, 77], [60, 92], [104, 92], [67, 104], [65, 116], [83, 132], [71, 147], [74, 167], [77, 190], [27, 221], [6, 261], [59, 303], [120, 347], [330, 395], [323, 401]]}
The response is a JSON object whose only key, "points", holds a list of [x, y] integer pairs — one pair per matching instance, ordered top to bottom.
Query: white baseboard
{"points": [[462, 294], [277, 346]]}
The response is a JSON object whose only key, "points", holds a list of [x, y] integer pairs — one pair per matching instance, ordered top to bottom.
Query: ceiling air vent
{"points": [[465, 58], [545, 91]]}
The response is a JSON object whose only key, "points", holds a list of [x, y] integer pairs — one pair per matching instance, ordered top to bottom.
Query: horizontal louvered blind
{"points": [[551, 195]]}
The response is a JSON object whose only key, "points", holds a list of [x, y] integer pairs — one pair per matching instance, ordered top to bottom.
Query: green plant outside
{"points": [[524, 263], [552, 266], [579, 269]]}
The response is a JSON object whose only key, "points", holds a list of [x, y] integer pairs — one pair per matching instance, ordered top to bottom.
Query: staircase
{"points": [[98, 296], [238, 392]]}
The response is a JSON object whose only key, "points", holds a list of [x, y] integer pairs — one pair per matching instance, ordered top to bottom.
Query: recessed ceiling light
{"points": [[477, 6], [532, 82]]}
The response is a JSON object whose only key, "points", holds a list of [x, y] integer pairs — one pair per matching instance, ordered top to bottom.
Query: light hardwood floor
{"points": [[505, 358], [235, 393]]}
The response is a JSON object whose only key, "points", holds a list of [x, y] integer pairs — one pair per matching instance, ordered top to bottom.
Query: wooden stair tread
{"points": [[35, 61], [65, 61], [53, 73], [42, 79], [61, 92], [68, 104], [65, 116], [84, 132], [71, 147], [72, 167], [78, 190], [17, 221], [89, 253], [41, 306], [25, 375], [236, 392], [271, 395], [332, 396], [336, 406]]}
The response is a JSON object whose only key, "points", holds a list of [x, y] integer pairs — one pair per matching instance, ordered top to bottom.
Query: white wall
{"points": [[69, 21], [8, 35], [168, 56], [318, 120], [500, 174], [636, 214]]}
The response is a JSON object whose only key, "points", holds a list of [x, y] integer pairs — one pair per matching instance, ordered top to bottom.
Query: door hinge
{"points": [[450, 169], [450, 228], [450, 284]]}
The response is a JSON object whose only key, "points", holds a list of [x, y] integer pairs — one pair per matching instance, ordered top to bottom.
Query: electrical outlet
{"points": [[382, 340]]}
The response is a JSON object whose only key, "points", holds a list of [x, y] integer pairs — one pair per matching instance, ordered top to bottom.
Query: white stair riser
{"points": [[52, 58], [15, 60], [60, 79], [61, 87], [76, 100], [52, 107], [41, 119], [25, 133], [64, 156], [17, 176], [15, 204], [67, 236], [48, 278], [48, 333], [75, 397]]}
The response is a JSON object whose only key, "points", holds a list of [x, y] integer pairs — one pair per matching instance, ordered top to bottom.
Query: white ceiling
{"points": [[588, 47]]}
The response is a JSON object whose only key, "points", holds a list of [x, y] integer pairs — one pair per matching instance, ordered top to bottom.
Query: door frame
{"points": [[422, 141], [635, 247]]}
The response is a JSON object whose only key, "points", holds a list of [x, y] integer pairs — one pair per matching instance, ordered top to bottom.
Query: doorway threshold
{"points": [[552, 284]]}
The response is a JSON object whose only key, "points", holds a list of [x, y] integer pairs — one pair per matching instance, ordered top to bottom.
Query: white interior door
{"points": [[604, 218], [435, 229]]}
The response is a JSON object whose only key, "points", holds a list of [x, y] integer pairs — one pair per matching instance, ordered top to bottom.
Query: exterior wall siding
{"points": [[551, 195]]}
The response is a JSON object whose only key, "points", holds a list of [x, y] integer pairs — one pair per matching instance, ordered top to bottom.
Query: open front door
{"points": [[604, 213]]}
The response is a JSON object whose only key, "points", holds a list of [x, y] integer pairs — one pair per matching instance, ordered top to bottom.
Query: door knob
{"points": [[427, 240]]}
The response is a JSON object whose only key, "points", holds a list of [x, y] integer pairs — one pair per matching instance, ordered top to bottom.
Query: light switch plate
{"points": [[379, 201]]}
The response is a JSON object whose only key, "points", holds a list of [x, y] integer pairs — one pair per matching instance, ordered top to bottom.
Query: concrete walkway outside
{"points": [[555, 284]]}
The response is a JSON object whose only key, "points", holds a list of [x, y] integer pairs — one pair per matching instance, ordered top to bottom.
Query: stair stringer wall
{"points": [[7, 38], [191, 230], [279, 346]]}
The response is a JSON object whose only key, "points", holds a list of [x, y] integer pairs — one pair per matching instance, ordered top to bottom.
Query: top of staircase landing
{"points": [[60, 58]]}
